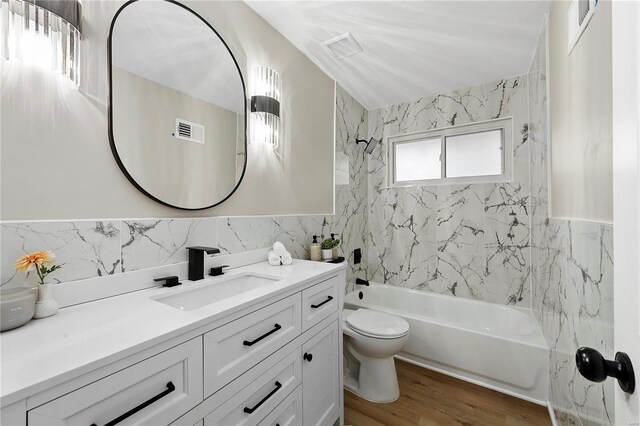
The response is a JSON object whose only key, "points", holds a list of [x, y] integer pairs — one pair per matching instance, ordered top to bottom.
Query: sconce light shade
{"points": [[43, 32], [265, 107]]}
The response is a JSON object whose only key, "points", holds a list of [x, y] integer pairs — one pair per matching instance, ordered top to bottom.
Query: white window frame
{"points": [[503, 124]]}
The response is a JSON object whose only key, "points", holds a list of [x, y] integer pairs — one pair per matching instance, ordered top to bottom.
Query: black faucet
{"points": [[196, 261], [360, 281]]}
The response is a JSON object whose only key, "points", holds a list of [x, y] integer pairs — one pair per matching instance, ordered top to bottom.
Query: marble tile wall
{"points": [[469, 241], [101, 248], [572, 278]]}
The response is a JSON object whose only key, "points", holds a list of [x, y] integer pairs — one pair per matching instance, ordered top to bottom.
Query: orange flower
{"points": [[38, 258]]}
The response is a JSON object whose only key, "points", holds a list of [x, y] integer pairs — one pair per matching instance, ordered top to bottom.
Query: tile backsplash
{"points": [[149, 243], [87, 249], [92, 249]]}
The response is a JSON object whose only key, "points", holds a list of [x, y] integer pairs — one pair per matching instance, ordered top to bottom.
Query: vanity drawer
{"points": [[319, 301], [235, 347], [157, 390], [254, 402], [288, 413]]}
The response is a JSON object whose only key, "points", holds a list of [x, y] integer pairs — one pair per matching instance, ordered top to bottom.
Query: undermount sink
{"points": [[215, 291]]}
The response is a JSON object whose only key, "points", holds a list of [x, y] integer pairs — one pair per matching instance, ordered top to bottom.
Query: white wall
{"points": [[581, 117], [55, 157]]}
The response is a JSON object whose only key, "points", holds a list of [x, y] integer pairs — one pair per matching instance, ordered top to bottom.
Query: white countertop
{"points": [[46, 352]]}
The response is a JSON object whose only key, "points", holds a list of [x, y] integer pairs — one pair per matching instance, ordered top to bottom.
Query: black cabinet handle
{"points": [[329, 299], [253, 342], [307, 357], [595, 368], [170, 388], [263, 400]]}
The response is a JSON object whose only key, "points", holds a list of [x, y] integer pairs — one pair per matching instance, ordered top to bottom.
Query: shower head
{"points": [[370, 146]]}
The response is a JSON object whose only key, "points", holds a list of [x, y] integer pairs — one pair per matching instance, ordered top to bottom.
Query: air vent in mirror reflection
{"points": [[189, 131]]}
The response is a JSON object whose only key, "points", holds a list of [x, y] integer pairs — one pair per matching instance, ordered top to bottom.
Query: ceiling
{"points": [[168, 44], [412, 48]]}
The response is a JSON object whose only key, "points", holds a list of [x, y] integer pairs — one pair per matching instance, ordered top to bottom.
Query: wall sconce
{"points": [[46, 33], [265, 107]]}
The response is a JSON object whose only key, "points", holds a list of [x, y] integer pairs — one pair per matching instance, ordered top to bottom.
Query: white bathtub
{"points": [[499, 347]]}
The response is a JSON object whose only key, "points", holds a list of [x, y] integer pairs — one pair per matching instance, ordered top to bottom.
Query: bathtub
{"points": [[495, 346]]}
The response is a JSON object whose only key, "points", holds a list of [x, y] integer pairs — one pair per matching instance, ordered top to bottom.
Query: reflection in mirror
{"points": [[177, 116]]}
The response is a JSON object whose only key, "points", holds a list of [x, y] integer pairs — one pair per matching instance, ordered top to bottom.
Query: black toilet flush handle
{"points": [[593, 367]]}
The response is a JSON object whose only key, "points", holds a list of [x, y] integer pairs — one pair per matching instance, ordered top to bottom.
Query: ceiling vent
{"points": [[343, 46], [188, 131]]}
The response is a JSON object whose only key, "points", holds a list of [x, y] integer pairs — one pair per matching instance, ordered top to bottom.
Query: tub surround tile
{"points": [[460, 219], [350, 220], [402, 237], [473, 240], [507, 255], [461, 275]]}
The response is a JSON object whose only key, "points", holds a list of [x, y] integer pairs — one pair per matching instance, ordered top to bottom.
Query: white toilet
{"points": [[373, 338]]}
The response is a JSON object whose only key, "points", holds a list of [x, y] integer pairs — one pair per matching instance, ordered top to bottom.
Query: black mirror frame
{"points": [[110, 109]]}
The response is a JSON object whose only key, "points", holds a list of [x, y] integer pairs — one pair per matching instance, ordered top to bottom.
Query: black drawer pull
{"points": [[329, 299], [253, 342], [307, 357], [170, 388], [251, 410]]}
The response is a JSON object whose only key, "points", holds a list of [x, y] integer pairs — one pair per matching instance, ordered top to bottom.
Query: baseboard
{"points": [[552, 414]]}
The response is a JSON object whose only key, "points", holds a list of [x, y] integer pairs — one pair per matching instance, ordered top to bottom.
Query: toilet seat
{"points": [[376, 324]]}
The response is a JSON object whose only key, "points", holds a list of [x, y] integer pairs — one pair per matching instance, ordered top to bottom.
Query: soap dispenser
{"points": [[336, 243], [315, 249]]}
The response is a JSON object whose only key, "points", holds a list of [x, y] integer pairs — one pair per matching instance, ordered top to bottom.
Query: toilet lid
{"points": [[376, 323]]}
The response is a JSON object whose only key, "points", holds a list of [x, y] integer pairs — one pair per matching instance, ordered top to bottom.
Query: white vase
{"points": [[327, 254], [46, 305]]}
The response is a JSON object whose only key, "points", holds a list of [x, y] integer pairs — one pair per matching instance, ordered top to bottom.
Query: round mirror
{"points": [[177, 105]]}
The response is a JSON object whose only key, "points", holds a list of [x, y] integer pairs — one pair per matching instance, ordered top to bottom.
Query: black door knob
{"points": [[307, 357], [593, 367]]}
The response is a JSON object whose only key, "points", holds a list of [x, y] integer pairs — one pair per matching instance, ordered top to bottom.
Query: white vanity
{"points": [[259, 345]]}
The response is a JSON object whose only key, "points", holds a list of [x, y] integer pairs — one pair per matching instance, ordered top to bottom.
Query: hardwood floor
{"points": [[428, 398]]}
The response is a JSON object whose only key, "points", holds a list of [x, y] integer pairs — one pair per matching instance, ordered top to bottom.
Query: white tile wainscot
{"points": [[74, 367]]}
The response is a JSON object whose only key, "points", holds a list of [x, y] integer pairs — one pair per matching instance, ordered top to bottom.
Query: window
{"points": [[460, 154]]}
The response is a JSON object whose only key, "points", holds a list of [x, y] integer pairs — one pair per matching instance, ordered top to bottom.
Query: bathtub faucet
{"points": [[360, 281]]}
